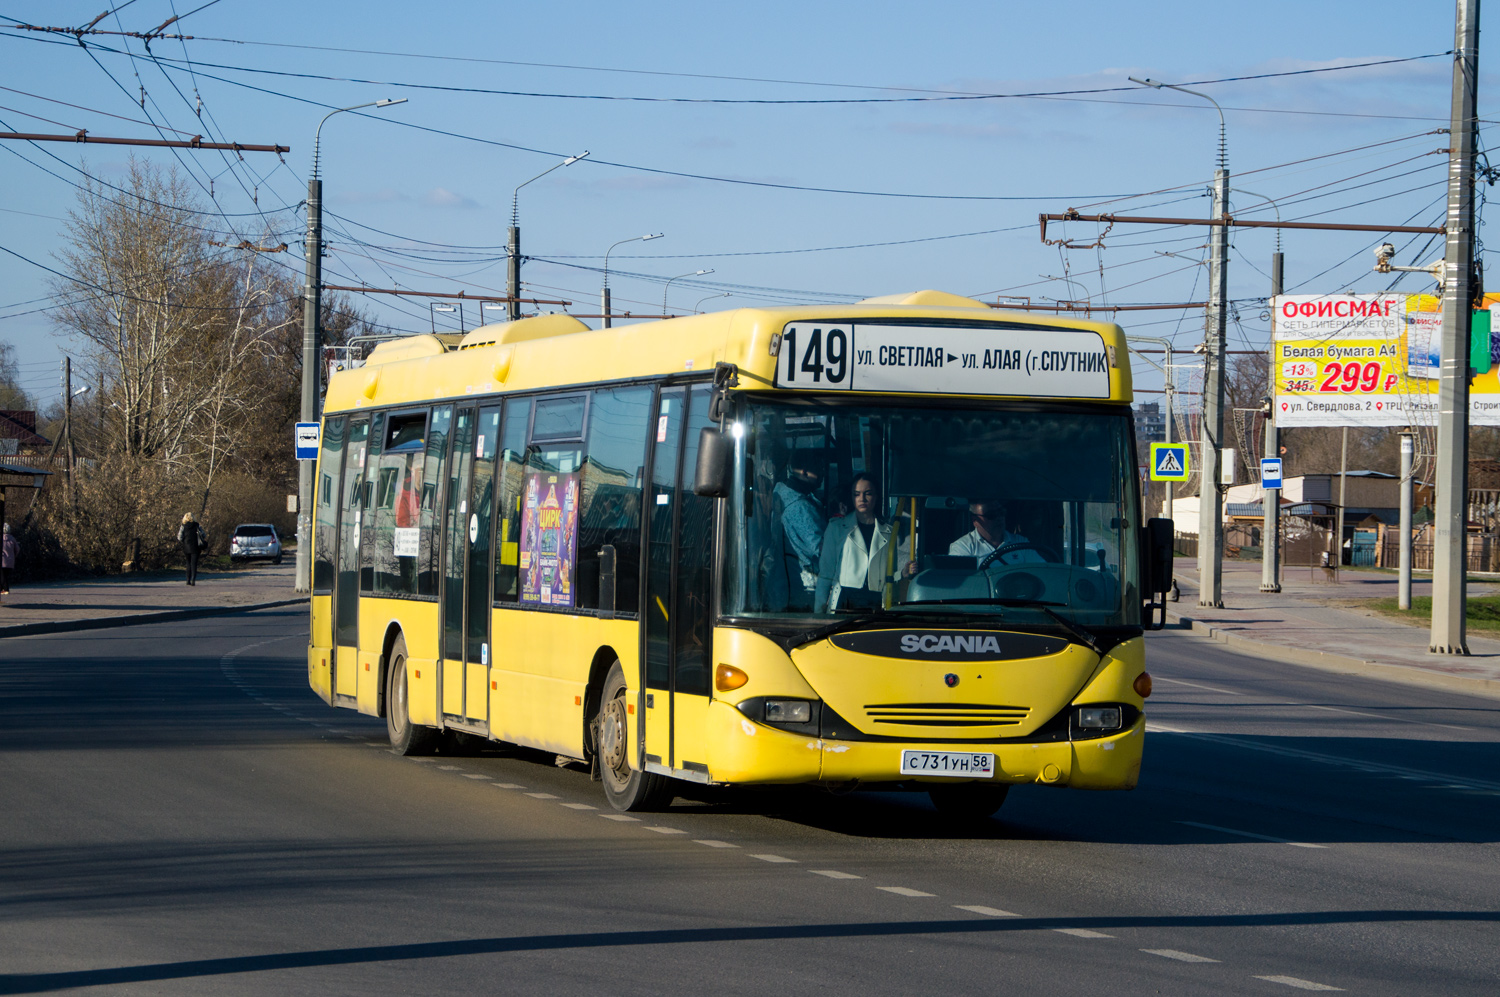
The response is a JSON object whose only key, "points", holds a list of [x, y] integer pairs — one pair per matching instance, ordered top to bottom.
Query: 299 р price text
{"points": [[958, 764]]}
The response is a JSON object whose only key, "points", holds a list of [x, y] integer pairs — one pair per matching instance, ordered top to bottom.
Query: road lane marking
{"points": [[1195, 685], [1377, 716], [450, 768], [1375, 768], [475, 775], [508, 785], [542, 796], [579, 806], [619, 817], [665, 830], [1249, 834], [711, 843], [772, 858], [834, 874], [905, 891], [986, 911], [1082, 933], [1179, 956], [1292, 981]]}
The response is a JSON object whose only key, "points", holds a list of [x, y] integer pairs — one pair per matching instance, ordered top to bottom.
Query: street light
{"points": [[513, 278], [668, 287], [604, 292], [726, 294], [311, 342]]}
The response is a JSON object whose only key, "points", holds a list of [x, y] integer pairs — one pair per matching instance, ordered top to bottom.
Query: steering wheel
{"points": [[1048, 554]]}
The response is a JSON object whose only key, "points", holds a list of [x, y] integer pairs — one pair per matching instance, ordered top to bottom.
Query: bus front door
{"points": [[467, 570], [679, 591]]}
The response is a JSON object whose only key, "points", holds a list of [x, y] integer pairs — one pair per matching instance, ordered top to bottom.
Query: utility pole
{"points": [[513, 270], [312, 346], [68, 423], [1210, 492], [1338, 530], [1270, 539], [1449, 548], [1403, 586]]}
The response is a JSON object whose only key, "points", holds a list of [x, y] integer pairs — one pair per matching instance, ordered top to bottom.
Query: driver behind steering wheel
{"points": [[989, 534]]}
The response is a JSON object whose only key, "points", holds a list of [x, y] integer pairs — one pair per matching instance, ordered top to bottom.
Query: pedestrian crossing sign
{"points": [[1169, 462]]}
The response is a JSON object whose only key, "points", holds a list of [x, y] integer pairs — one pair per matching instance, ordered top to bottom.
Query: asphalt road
{"points": [[179, 814]]}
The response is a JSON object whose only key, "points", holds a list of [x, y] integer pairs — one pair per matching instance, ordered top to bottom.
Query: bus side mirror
{"points": [[712, 477], [1156, 569]]}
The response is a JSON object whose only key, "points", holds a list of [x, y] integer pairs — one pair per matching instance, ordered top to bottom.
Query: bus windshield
{"points": [[1016, 516]]}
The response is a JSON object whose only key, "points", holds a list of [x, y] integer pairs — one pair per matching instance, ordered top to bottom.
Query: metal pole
{"points": [[513, 273], [604, 303], [311, 349], [1167, 395], [68, 423], [1210, 492], [1338, 535], [1270, 540], [1449, 556], [1403, 587]]}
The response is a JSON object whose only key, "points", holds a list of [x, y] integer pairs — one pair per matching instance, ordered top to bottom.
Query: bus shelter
{"points": [[19, 476]]}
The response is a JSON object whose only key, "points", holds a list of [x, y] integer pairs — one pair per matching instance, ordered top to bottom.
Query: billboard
{"points": [[1369, 360]]}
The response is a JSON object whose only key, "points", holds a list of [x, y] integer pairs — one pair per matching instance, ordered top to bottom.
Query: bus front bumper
{"points": [[744, 752]]}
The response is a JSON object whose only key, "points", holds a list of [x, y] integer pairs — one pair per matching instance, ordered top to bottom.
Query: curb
{"points": [[138, 619], [1344, 664]]}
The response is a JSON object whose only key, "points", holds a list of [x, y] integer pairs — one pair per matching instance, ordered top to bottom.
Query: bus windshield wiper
{"points": [[839, 626], [1074, 630]]}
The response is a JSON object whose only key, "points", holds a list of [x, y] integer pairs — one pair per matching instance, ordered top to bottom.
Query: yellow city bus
{"points": [[889, 544]]}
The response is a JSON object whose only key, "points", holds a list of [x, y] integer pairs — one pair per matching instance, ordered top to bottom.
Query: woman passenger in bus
{"points": [[850, 543]]}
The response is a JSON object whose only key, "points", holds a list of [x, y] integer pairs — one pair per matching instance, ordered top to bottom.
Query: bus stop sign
{"points": [[307, 441], [1169, 462], [1270, 472]]}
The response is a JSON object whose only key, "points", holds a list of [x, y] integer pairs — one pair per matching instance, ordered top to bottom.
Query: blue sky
{"points": [[1141, 150]]}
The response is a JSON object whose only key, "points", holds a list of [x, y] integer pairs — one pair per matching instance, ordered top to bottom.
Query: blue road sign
{"points": [[307, 441], [1169, 462], [1270, 472]]}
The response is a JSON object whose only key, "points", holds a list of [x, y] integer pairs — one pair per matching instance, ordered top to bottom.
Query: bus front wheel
{"points": [[406, 737], [625, 786], [968, 801]]}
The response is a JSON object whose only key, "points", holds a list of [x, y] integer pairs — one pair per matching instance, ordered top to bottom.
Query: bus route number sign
{"points": [[990, 360], [957, 764]]}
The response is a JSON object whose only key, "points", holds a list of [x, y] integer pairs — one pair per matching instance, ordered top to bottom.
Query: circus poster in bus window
{"points": [[549, 539]]}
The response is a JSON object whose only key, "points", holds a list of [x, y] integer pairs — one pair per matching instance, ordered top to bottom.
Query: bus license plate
{"points": [[958, 764]]}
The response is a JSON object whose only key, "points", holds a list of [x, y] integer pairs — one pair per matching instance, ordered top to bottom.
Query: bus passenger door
{"points": [[351, 506], [455, 559], [480, 576], [679, 591]]}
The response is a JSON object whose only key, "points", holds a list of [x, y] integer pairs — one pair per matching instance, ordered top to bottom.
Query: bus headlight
{"points": [[788, 711], [1099, 717]]}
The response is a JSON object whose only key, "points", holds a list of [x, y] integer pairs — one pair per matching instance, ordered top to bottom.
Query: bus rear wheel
{"points": [[406, 737], [625, 786], [968, 801]]}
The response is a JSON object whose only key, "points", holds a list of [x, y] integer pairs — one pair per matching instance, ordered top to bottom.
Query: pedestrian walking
{"points": [[193, 540], [8, 550]]}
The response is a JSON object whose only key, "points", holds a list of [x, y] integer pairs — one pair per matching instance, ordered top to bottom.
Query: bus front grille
{"points": [[946, 714]]}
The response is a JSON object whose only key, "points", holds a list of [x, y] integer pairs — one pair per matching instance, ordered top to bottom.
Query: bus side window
{"points": [[330, 467], [613, 472], [433, 478], [511, 480], [367, 504]]}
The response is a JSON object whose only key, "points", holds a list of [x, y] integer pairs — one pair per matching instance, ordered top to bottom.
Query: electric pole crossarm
{"points": [[196, 142], [1229, 221]]}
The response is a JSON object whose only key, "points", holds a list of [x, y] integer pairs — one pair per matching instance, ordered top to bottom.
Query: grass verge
{"points": [[1483, 612]]}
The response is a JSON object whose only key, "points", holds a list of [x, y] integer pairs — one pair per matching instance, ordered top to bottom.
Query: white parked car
{"points": [[255, 540]]}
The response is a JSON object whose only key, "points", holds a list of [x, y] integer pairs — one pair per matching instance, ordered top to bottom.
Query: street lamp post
{"points": [[513, 252], [668, 287], [604, 291], [696, 307], [312, 345], [1210, 491]]}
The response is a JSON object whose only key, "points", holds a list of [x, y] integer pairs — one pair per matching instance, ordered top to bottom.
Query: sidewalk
{"points": [[95, 602], [1320, 624]]}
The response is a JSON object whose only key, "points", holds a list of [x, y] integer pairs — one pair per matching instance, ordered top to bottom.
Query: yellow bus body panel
{"points": [[322, 621], [539, 663], [850, 682]]}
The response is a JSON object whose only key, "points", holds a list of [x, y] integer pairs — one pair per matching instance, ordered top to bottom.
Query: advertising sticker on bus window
{"points": [[1026, 362], [549, 539]]}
